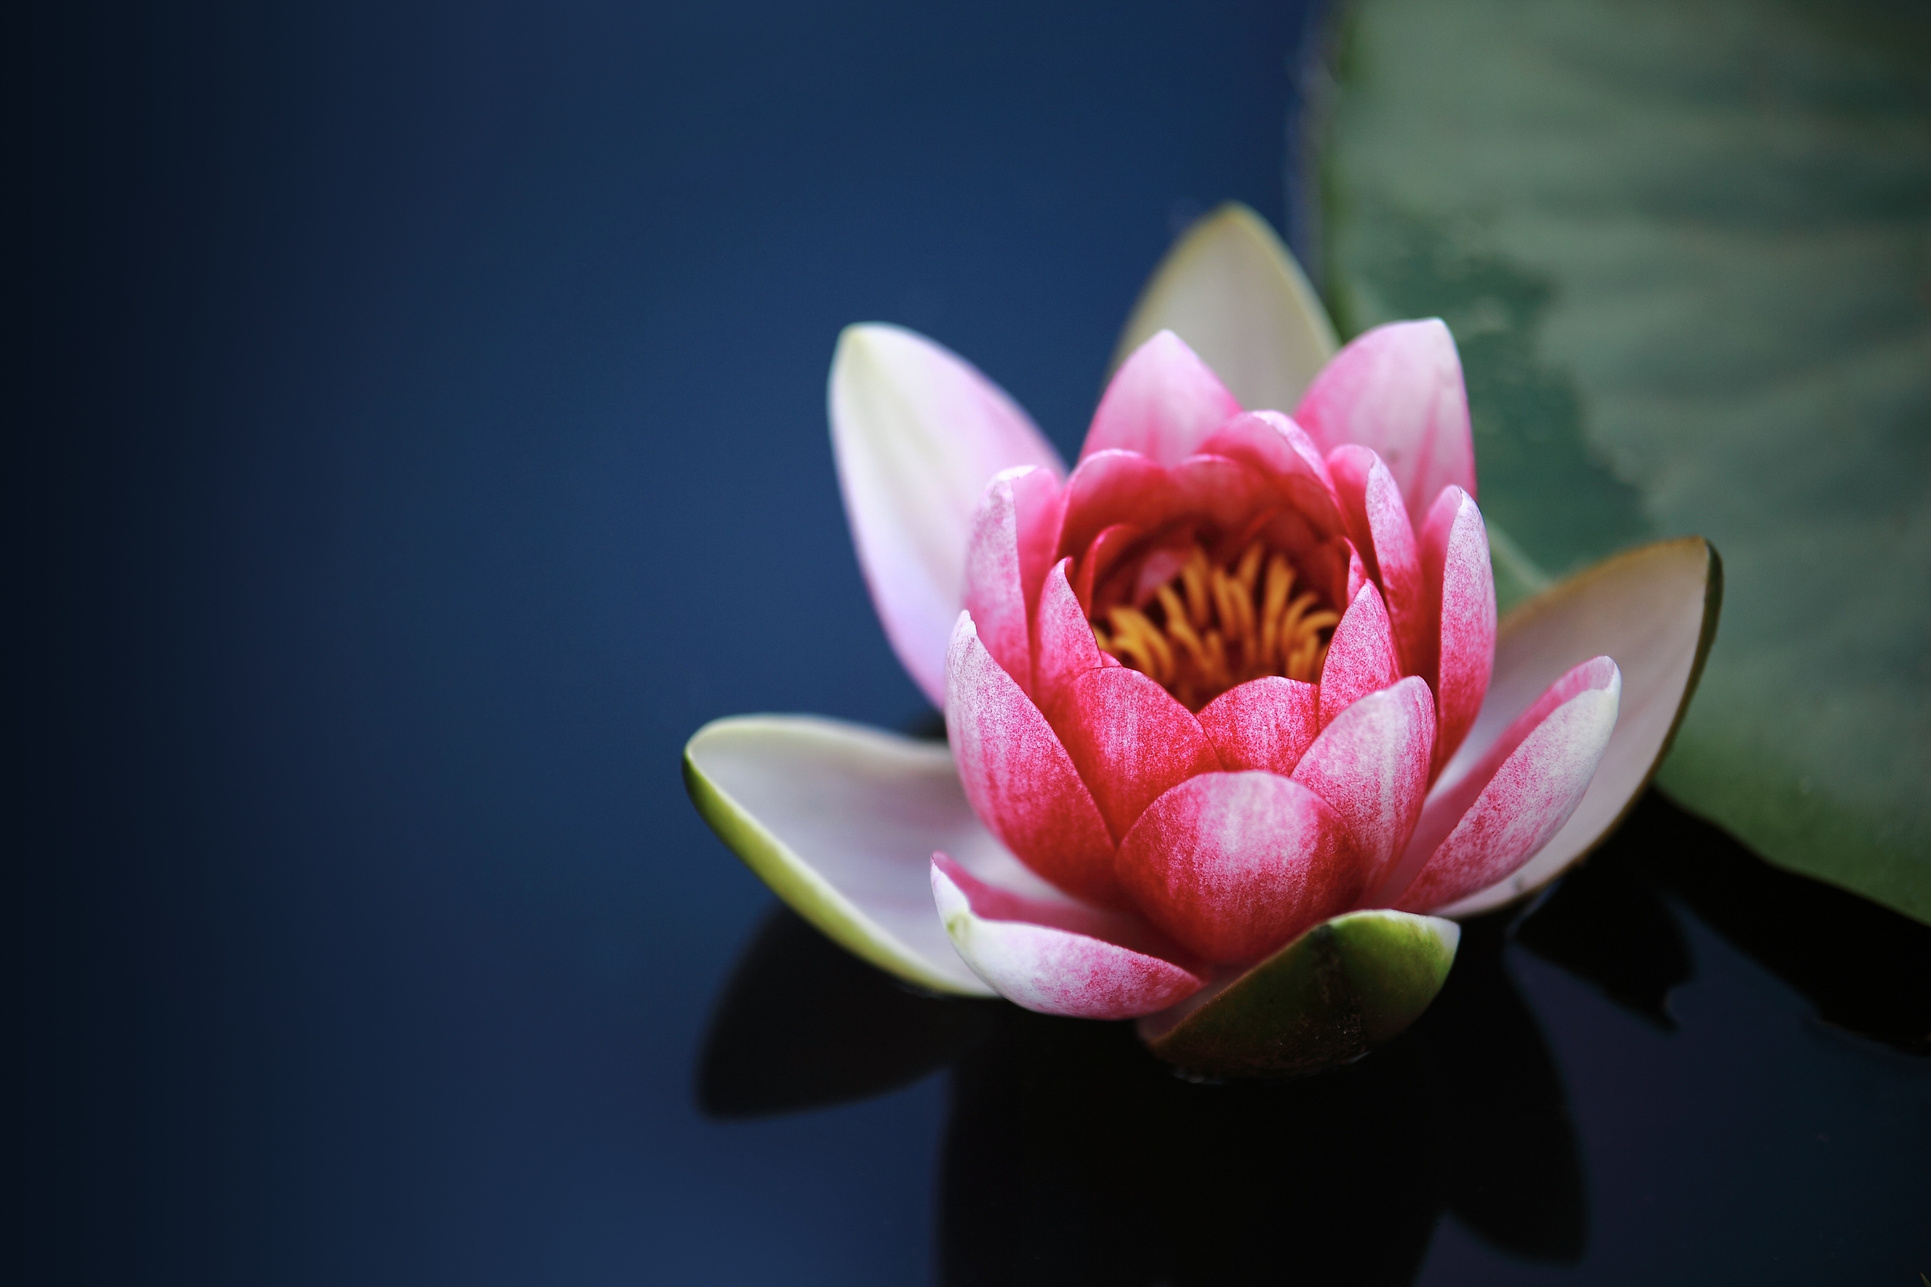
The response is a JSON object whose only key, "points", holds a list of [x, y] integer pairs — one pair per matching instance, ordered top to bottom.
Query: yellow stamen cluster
{"points": [[1210, 628]]}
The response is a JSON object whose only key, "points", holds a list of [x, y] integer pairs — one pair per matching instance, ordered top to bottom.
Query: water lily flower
{"points": [[1233, 734]]}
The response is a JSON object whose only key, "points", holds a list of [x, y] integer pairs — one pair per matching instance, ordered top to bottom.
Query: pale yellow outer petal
{"points": [[1233, 292]]}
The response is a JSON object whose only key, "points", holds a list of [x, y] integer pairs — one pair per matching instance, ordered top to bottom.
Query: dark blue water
{"points": [[419, 431]]}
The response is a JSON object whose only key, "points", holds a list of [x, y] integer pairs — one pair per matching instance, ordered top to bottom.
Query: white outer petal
{"points": [[918, 433], [841, 821]]}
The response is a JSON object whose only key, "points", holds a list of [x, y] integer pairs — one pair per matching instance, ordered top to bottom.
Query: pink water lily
{"points": [[1234, 678]]}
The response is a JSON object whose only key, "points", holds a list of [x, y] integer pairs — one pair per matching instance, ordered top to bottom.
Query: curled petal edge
{"points": [[1654, 610], [1523, 801], [840, 821], [1059, 958]]}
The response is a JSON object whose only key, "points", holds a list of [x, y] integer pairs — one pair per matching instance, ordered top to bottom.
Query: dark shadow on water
{"points": [[1608, 924], [1863, 967], [803, 1024], [1502, 1127], [1074, 1156]]}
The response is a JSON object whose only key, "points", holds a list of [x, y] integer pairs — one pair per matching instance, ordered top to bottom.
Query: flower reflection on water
{"points": [[1072, 1156]]}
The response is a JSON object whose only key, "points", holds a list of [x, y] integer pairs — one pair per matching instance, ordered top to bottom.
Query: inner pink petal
{"points": [[1398, 389], [1161, 403], [1271, 443], [1113, 487], [1378, 523], [1461, 584], [995, 591], [1065, 647], [1361, 657], [1266, 723], [1130, 740], [1371, 763], [1017, 776], [1235, 865]]}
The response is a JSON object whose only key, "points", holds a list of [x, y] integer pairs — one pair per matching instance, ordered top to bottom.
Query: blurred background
{"points": [[419, 433], [424, 433]]}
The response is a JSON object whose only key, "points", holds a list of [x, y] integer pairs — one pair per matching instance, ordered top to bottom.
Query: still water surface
{"points": [[434, 439]]}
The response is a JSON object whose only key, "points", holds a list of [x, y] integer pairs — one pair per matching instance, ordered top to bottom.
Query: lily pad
{"points": [[1682, 245], [1327, 998]]}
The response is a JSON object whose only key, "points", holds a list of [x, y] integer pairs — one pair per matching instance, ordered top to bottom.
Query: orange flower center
{"points": [[1210, 628]]}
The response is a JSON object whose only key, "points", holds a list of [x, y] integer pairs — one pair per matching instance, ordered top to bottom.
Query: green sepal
{"points": [[1330, 996]]}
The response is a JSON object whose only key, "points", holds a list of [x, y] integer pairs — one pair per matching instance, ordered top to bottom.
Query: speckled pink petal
{"points": [[1398, 389], [1162, 402], [917, 434], [1274, 445], [1113, 487], [1040, 508], [1379, 527], [1101, 553], [1357, 573], [995, 580], [1460, 583], [1654, 610], [1063, 645], [1361, 657], [1265, 723], [1130, 741], [1546, 760], [1371, 763], [1019, 778], [1234, 865], [1058, 959]]}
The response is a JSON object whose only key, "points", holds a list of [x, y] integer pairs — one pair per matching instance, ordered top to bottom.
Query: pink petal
{"points": [[1398, 389], [1161, 403], [917, 434], [1269, 442], [1113, 487], [1040, 508], [1378, 524], [1100, 554], [1357, 572], [1461, 590], [996, 593], [1654, 610], [1065, 647], [1361, 656], [1263, 724], [1130, 741], [1371, 764], [1019, 778], [1464, 781], [1529, 783], [1233, 865], [1054, 958]]}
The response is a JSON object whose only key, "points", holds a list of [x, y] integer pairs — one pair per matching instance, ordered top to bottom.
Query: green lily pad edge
{"points": [[1326, 999]]}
